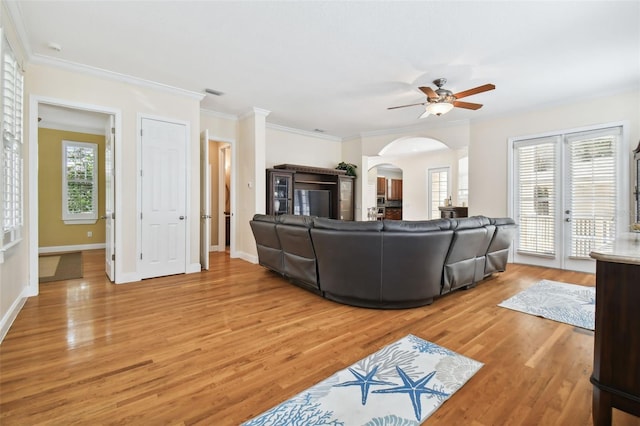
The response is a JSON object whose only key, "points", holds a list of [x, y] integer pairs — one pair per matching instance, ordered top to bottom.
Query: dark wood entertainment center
{"points": [[315, 191], [616, 359]]}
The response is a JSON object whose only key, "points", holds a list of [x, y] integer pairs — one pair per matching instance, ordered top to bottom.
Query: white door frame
{"points": [[232, 196], [205, 200], [33, 287]]}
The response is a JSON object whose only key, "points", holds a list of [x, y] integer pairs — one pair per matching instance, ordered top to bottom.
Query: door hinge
{"points": [[113, 130], [140, 132], [140, 216], [140, 256], [113, 257]]}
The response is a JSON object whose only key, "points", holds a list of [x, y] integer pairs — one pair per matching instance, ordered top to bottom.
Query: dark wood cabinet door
{"points": [[382, 185], [396, 190], [279, 192], [346, 198]]}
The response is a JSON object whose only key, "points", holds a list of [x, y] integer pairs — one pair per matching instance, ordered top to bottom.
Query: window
{"points": [[11, 156], [463, 181], [79, 182], [438, 190]]}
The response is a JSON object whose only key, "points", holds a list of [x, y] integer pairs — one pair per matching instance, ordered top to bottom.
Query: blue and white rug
{"points": [[569, 303], [401, 384]]}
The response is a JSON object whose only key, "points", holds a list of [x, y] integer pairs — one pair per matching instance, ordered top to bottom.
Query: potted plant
{"points": [[348, 167]]}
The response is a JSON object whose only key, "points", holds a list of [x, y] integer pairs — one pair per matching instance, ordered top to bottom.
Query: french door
{"points": [[568, 196]]}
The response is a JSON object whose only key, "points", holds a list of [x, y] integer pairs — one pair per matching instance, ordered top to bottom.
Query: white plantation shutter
{"points": [[12, 162], [438, 189], [592, 189], [536, 190]]}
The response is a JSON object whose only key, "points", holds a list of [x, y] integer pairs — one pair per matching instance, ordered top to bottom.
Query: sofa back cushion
{"points": [[347, 225], [416, 225], [267, 242], [498, 251], [299, 257], [465, 261], [349, 262], [413, 263]]}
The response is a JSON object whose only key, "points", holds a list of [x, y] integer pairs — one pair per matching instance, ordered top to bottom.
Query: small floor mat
{"points": [[59, 266]]}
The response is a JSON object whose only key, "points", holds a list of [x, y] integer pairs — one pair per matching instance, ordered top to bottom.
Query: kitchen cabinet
{"points": [[382, 185], [395, 190], [393, 213]]}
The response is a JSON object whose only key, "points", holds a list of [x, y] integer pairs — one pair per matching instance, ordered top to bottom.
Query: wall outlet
{"points": [[89, 234]]}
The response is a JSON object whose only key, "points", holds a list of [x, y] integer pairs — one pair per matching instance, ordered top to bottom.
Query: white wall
{"points": [[48, 82], [288, 147], [488, 163], [415, 166], [14, 271]]}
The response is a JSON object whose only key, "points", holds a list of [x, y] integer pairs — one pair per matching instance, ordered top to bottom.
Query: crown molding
{"points": [[111, 75], [253, 111], [219, 114], [304, 132]]}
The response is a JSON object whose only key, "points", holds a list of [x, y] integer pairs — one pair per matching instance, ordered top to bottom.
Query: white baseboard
{"points": [[80, 247], [245, 256], [193, 268], [11, 315]]}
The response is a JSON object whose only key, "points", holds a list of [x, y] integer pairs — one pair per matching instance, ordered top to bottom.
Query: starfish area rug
{"points": [[569, 303], [401, 384]]}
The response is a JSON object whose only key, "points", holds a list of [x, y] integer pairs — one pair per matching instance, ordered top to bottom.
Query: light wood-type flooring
{"points": [[220, 347]]}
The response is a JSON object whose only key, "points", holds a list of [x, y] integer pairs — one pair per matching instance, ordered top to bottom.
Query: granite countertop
{"points": [[624, 249]]}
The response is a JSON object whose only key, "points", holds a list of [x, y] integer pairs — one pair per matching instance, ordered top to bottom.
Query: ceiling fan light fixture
{"points": [[439, 108]]}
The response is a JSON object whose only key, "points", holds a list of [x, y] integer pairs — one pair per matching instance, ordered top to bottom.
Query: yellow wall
{"points": [[53, 232]]}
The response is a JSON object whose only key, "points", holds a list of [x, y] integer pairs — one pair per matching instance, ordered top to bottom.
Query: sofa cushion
{"points": [[265, 218], [296, 220], [502, 221], [469, 222], [346, 225], [416, 225]]}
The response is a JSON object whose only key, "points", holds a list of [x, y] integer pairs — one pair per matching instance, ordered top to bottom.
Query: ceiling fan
{"points": [[441, 101]]}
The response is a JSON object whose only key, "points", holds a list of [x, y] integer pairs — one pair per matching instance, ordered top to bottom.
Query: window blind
{"points": [[535, 161], [12, 162], [592, 189]]}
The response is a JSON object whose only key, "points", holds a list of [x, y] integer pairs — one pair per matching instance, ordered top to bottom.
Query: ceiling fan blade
{"points": [[474, 91], [431, 94], [467, 105], [403, 106], [425, 114]]}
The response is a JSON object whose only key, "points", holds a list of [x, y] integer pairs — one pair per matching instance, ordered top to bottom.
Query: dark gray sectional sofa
{"points": [[383, 264]]}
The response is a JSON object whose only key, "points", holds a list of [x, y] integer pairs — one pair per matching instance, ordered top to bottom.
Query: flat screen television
{"points": [[312, 202]]}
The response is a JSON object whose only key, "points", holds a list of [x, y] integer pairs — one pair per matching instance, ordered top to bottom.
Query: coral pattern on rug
{"points": [[569, 303], [400, 385]]}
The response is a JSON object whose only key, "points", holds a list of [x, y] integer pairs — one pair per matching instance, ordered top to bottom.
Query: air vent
{"points": [[214, 92]]}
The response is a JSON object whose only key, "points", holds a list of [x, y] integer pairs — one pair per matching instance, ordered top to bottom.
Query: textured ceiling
{"points": [[338, 65]]}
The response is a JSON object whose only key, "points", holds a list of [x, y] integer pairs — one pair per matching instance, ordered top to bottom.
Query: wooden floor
{"points": [[220, 347]]}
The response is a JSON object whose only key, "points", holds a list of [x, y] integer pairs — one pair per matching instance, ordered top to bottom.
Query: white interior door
{"points": [[109, 173], [163, 198], [205, 200]]}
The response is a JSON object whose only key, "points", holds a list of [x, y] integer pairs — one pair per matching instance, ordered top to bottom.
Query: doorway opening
{"points": [[51, 122]]}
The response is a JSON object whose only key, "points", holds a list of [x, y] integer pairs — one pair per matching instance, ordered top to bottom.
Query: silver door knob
{"points": [[181, 218]]}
